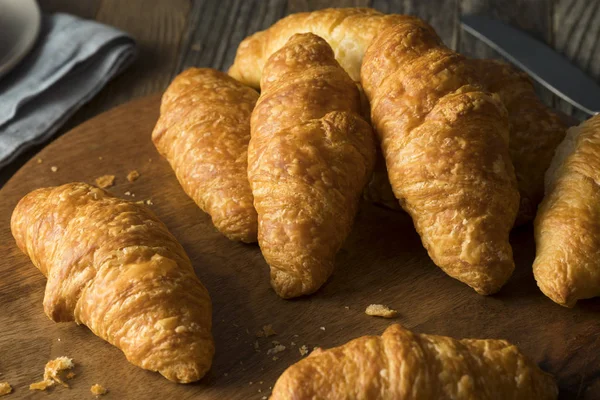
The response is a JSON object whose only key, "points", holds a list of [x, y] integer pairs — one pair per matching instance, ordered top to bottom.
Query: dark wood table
{"points": [[175, 34]]}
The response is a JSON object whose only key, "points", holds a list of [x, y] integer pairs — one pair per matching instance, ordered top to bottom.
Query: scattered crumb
{"points": [[100, 158], [149, 160], [39, 161], [54, 168], [133, 176], [105, 181], [127, 193], [133, 195], [149, 202], [347, 307], [379, 310], [322, 328], [266, 331], [295, 335], [58, 339], [275, 342], [292, 344], [277, 349], [303, 350], [275, 358], [51, 373], [70, 375], [250, 383], [260, 383], [5, 388], [98, 390], [259, 390], [264, 398]]}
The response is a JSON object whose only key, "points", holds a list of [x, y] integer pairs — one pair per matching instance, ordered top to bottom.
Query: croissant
{"points": [[535, 129], [203, 131], [535, 133], [445, 141], [310, 155], [567, 226], [114, 267], [404, 365]]}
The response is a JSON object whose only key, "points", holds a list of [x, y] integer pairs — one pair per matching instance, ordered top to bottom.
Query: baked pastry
{"points": [[347, 30], [535, 130], [203, 131], [445, 141], [310, 156], [567, 226], [114, 267], [404, 365]]}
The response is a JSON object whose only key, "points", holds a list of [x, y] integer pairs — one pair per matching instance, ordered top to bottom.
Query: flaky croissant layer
{"points": [[203, 131], [445, 141], [309, 158], [567, 226], [114, 267], [402, 365]]}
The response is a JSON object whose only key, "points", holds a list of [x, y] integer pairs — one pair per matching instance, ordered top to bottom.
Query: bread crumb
{"points": [[100, 158], [39, 161], [54, 168], [133, 176], [105, 181], [127, 193], [149, 202], [347, 307], [379, 310], [322, 328], [266, 331], [292, 344], [277, 349], [303, 350], [275, 358], [51, 373], [70, 375], [250, 383], [5, 388], [98, 390]]}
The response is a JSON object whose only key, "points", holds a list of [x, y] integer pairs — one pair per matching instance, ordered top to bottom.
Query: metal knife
{"points": [[539, 60]]}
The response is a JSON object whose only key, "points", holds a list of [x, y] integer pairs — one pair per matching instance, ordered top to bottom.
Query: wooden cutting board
{"points": [[382, 262]]}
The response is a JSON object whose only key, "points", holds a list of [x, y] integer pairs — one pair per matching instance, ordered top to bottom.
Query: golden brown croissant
{"points": [[347, 30], [535, 130], [203, 131], [445, 141], [310, 156], [567, 226], [114, 267], [403, 365]]}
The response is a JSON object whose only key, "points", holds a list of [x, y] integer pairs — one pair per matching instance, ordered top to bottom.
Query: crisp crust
{"points": [[348, 31], [203, 131], [445, 141], [309, 158], [133, 176], [567, 226], [114, 267], [379, 310], [409, 366]]}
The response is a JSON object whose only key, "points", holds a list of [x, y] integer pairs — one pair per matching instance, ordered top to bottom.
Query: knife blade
{"points": [[545, 65]]}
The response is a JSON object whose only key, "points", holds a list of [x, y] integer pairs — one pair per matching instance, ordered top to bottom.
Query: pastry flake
{"points": [[133, 176], [105, 181], [113, 266], [379, 310], [404, 365], [52, 372], [5, 388], [98, 390]]}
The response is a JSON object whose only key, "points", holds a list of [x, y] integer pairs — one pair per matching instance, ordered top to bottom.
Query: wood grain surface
{"points": [[382, 262]]}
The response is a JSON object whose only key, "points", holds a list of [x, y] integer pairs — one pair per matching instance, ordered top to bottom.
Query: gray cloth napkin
{"points": [[71, 61]]}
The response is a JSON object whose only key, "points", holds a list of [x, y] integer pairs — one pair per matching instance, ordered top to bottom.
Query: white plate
{"points": [[20, 22]]}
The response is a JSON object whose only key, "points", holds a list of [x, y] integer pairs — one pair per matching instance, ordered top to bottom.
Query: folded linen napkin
{"points": [[71, 61]]}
